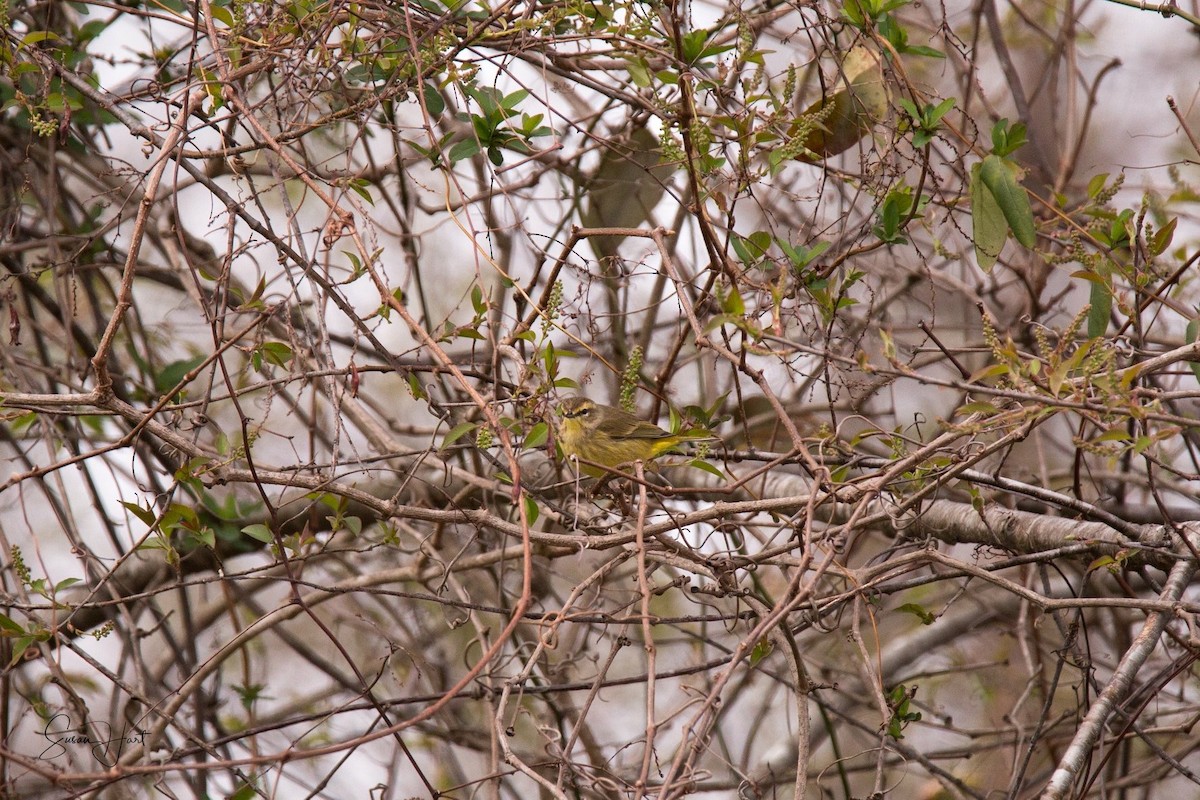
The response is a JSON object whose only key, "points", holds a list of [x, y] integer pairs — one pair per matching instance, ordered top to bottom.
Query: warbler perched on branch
{"points": [[603, 438]]}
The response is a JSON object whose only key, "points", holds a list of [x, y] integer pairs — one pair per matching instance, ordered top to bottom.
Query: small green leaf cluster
{"points": [[877, 14], [696, 45], [41, 100], [925, 121], [492, 126], [898, 208], [754, 252], [1108, 259], [795, 273], [473, 329], [279, 354], [1055, 369], [1074, 369], [542, 370], [531, 436], [339, 519], [179, 523], [39, 586], [22, 637], [899, 700]]}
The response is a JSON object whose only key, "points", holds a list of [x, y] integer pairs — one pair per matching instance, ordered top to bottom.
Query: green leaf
{"points": [[853, 12], [222, 15], [36, 37], [693, 45], [922, 50], [639, 72], [510, 102], [434, 103], [935, 115], [531, 126], [1006, 139], [467, 148], [999, 176], [359, 187], [892, 213], [988, 226], [1162, 237], [740, 249], [752, 249], [801, 255], [732, 302], [1098, 314], [1192, 328], [277, 353], [990, 371], [170, 375], [414, 387], [975, 408], [22, 422], [457, 432], [1117, 433], [537, 436], [704, 466], [531, 509], [146, 515], [178, 516], [259, 532], [205, 535], [1103, 562], [65, 583], [919, 612], [10, 627], [19, 647], [761, 650], [250, 694], [900, 700]]}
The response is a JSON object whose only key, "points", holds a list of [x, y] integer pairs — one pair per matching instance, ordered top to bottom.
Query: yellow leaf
{"points": [[848, 114]]}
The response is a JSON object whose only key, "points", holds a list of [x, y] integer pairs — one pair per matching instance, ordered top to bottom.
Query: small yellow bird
{"points": [[603, 438]]}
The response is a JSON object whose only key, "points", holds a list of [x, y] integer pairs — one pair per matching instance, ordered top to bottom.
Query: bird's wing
{"points": [[628, 426]]}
